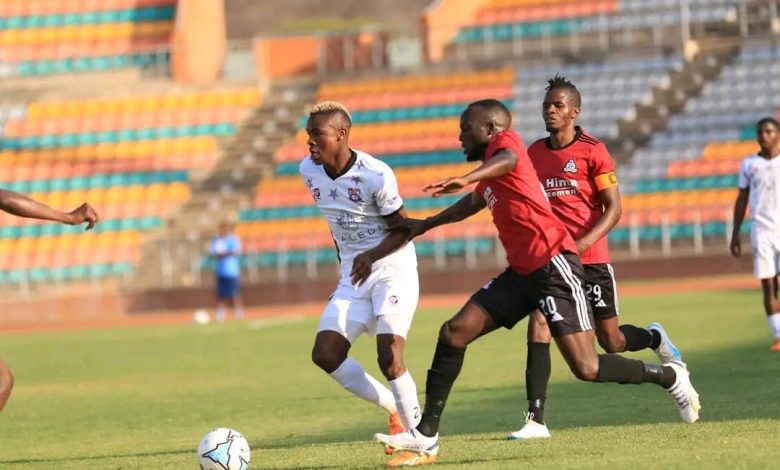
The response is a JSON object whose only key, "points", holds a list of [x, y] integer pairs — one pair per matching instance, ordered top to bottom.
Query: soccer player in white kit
{"points": [[759, 186], [378, 287]]}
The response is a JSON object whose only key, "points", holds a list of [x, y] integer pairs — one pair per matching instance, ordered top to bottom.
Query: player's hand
{"points": [[447, 186], [84, 213], [413, 227], [582, 246], [735, 247], [361, 268]]}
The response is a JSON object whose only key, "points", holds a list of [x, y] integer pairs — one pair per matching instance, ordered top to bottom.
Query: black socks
{"points": [[638, 339], [446, 365], [615, 368], [537, 375]]}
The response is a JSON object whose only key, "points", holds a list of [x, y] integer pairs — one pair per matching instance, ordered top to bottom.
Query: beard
{"points": [[477, 153]]}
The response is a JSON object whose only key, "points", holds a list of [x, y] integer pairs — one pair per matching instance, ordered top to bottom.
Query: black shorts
{"points": [[556, 289], [601, 290]]}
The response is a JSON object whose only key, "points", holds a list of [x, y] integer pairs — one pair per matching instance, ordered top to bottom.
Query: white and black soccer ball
{"points": [[223, 449]]}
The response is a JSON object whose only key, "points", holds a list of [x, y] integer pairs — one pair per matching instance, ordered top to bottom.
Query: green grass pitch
{"points": [[141, 398]]}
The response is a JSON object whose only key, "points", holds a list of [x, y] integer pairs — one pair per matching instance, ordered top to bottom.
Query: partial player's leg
{"points": [[766, 266], [769, 288], [601, 289], [224, 294], [395, 296], [238, 304], [496, 304], [219, 314], [570, 320], [471, 322], [336, 334], [537, 376], [6, 383]]}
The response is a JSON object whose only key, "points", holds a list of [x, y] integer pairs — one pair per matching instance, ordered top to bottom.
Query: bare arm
{"points": [[501, 164], [610, 198], [22, 206], [467, 206], [740, 206], [395, 239], [6, 383]]}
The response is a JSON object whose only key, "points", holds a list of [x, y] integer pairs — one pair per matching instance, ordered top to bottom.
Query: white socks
{"points": [[774, 323], [354, 378], [405, 393]]}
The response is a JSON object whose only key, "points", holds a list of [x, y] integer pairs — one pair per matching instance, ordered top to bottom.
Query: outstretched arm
{"points": [[499, 165], [740, 205], [22, 206], [466, 207]]}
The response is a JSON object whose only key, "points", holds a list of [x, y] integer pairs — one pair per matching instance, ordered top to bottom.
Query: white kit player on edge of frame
{"points": [[759, 187], [378, 286]]}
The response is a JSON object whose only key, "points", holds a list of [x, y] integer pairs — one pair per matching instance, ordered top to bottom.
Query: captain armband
{"points": [[606, 181]]}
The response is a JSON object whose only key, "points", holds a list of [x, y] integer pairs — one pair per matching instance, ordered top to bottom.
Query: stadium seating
{"points": [[510, 20], [68, 36], [610, 90], [129, 157], [691, 168]]}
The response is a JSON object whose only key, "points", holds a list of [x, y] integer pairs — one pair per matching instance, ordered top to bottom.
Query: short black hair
{"points": [[559, 81], [496, 109], [768, 120]]}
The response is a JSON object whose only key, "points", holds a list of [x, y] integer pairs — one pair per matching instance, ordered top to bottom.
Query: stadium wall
{"points": [[93, 306]]}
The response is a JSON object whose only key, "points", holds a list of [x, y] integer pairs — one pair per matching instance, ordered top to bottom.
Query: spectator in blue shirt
{"points": [[226, 248]]}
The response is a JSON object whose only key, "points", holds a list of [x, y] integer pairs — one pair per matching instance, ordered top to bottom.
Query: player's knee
{"points": [[538, 331], [450, 335], [326, 360], [585, 370]]}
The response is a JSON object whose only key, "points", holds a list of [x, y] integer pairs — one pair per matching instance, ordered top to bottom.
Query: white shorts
{"points": [[766, 253], [384, 304]]}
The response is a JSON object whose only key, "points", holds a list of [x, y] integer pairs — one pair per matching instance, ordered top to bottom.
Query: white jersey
{"points": [[762, 177], [354, 204]]}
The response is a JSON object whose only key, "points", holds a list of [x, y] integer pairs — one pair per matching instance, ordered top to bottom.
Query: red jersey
{"points": [[572, 178], [527, 227]]}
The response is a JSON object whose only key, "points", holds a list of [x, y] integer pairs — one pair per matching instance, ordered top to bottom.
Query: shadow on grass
{"points": [[734, 384], [97, 457]]}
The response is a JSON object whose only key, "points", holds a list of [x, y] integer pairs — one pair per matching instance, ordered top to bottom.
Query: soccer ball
{"points": [[201, 317], [223, 449]]}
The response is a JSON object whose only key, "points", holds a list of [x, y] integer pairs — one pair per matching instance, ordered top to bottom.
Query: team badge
{"points": [[570, 167], [315, 193], [354, 195], [346, 221], [393, 299]]}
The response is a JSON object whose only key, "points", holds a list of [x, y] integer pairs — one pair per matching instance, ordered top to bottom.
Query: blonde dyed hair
{"points": [[330, 107]]}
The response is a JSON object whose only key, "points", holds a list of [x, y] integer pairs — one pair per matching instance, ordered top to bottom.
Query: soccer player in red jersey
{"points": [[578, 175], [22, 206], [544, 271]]}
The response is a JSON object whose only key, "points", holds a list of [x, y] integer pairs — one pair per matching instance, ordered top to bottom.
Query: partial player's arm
{"points": [[499, 165], [601, 170], [610, 199], [22, 206], [740, 206], [466, 207], [403, 229], [395, 239], [6, 384]]}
